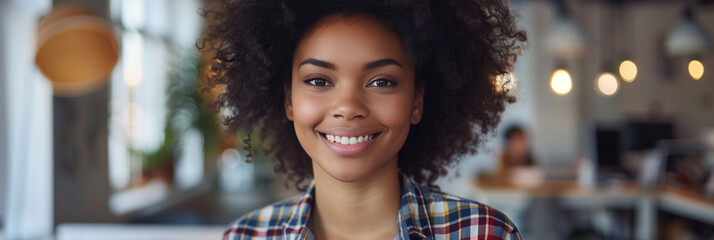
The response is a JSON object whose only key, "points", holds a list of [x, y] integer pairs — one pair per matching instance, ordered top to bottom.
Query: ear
{"points": [[288, 101], [418, 108]]}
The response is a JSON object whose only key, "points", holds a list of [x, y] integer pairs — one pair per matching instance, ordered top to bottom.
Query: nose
{"points": [[349, 105]]}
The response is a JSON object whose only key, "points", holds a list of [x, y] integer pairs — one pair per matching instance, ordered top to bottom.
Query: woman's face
{"points": [[352, 97]]}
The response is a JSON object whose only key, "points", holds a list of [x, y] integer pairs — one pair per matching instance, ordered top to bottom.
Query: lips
{"points": [[347, 142]]}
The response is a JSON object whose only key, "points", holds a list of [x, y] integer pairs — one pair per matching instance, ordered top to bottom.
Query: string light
{"points": [[696, 69], [628, 70], [560, 82], [607, 84]]}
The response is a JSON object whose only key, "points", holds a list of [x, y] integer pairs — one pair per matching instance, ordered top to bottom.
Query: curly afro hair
{"points": [[458, 48]]}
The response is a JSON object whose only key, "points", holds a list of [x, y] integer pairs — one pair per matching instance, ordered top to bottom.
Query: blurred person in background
{"points": [[517, 157]]}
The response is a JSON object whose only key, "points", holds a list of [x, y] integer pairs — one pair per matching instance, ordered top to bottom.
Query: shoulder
{"points": [[457, 217], [261, 223]]}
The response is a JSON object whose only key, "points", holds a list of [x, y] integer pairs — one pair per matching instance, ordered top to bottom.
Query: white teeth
{"points": [[348, 140]]}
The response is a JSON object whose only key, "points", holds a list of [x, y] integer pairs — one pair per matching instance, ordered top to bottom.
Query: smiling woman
{"points": [[352, 84], [370, 100]]}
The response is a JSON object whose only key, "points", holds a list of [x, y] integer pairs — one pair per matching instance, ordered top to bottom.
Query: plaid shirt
{"points": [[424, 214]]}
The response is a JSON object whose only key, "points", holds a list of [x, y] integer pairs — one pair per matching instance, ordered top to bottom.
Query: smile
{"points": [[345, 140], [349, 144]]}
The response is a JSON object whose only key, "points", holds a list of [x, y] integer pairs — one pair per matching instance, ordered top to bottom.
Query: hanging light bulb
{"points": [[687, 37], [565, 39], [696, 69], [628, 70], [560, 82], [606, 84]]}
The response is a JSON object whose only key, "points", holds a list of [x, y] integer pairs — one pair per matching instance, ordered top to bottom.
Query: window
{"points": [[157, 37]]}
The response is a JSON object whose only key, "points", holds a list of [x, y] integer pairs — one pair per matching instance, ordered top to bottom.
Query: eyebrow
{"points": [[319, 63], [381, 63], [370, 65]]}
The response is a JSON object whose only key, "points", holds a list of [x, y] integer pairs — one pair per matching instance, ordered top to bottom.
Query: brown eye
{"points": [[318, 82], [382, 83]]}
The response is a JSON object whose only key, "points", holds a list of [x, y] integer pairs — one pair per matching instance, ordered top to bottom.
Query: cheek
{"points": [[308, 111], [395, 113]]}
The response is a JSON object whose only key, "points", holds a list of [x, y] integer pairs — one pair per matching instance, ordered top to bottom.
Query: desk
{"points": [[569, 194], [686, 203]]}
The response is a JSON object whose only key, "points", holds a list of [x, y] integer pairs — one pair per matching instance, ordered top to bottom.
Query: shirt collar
{"points": [[414, 213], [413, 217], [297, 225]]}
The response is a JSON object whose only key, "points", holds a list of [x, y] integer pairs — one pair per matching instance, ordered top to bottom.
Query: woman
{"points": [[370, 100]]}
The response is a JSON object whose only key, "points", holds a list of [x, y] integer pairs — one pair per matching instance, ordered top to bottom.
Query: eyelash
{"points": [[312, 81], [390, 82], [326, 83]]}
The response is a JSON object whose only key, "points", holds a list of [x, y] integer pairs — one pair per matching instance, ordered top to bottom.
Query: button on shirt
{"points": [[424, 214]]}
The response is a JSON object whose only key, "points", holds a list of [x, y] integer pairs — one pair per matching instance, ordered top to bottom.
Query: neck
{"points": [[363, 209]]}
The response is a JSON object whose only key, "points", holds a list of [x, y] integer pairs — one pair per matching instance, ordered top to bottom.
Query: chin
{"points": [[351, 170]]}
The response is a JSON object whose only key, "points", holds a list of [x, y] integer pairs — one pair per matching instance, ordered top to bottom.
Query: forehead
{"points": [[346, 39]]}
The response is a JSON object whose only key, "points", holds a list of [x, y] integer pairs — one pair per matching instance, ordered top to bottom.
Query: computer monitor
{"points": [[639, 136], [612, 140], [607, 146]]}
